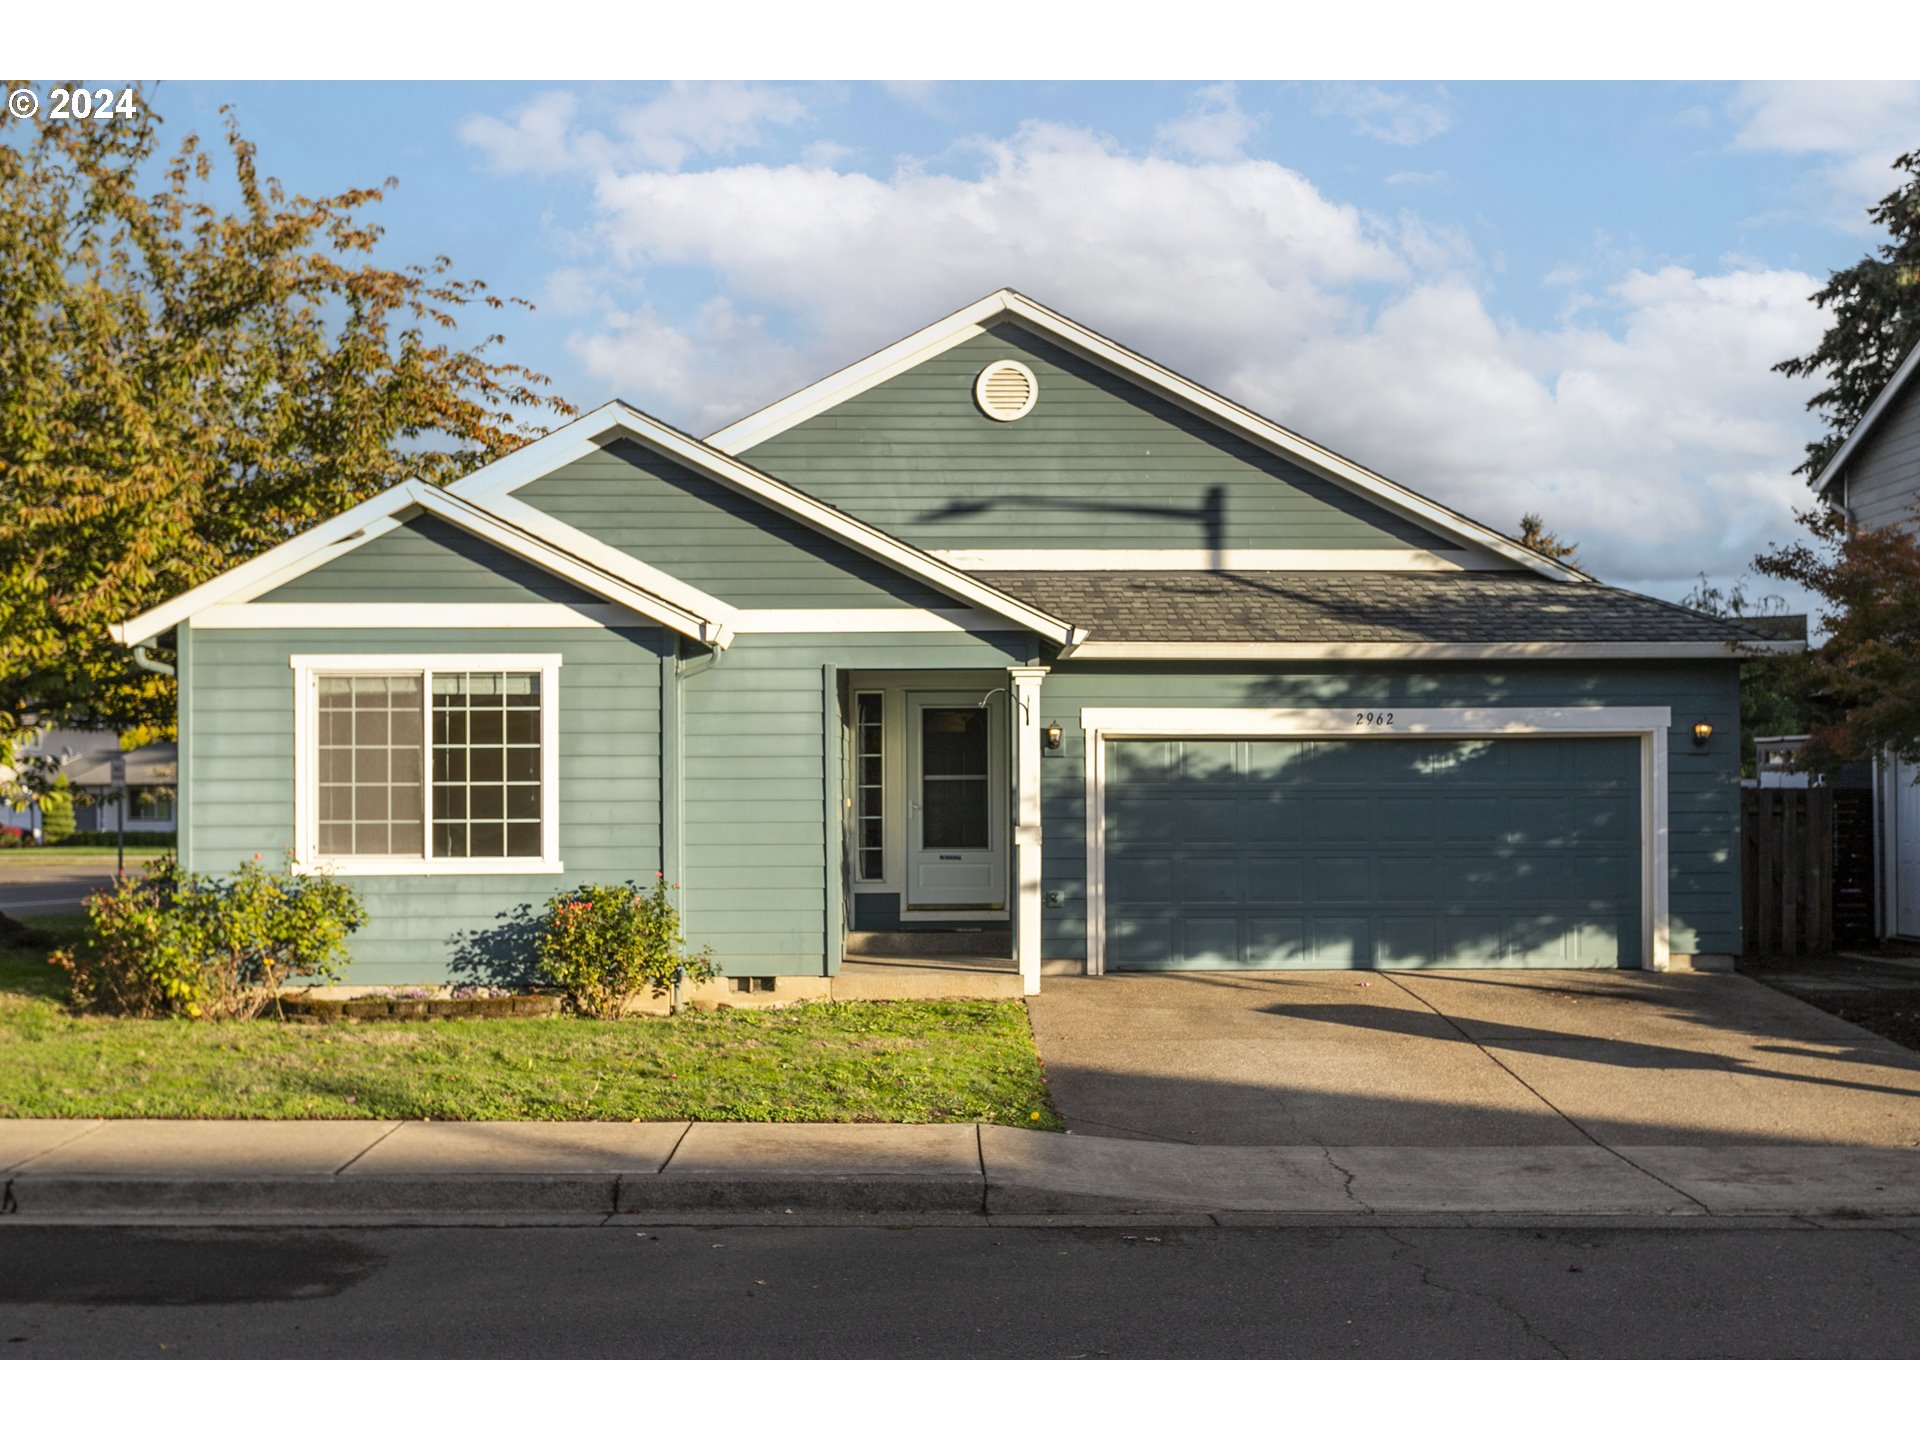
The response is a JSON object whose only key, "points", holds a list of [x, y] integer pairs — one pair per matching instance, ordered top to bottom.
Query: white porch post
{"points": [[1026, 826]]}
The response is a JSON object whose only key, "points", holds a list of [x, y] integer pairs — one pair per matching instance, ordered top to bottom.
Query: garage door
{"points": [[1351, 854]]}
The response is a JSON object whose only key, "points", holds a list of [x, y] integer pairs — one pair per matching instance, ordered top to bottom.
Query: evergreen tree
{"points": [[1876, 320]]}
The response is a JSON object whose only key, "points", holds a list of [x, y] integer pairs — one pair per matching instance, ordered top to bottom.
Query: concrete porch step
{"points": [[994, 945]]}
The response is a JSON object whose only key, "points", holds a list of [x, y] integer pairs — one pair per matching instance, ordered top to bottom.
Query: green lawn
{"points": [[849, 1060]]}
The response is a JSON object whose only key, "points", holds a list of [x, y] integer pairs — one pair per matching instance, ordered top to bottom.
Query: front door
{"points": [[957, 801]]}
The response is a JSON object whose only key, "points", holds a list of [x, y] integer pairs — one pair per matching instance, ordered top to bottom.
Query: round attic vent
{"points": [[1005, 390]]}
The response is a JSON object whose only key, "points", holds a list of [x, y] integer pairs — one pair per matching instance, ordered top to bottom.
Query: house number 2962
{"points": [[1373, 719]]}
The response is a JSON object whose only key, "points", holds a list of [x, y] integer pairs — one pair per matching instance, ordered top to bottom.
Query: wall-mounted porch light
{"points": [[1702, 732], [1052, 733]]}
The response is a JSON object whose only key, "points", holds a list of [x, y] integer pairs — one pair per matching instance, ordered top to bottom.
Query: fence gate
{"points": [[1786, 871]]}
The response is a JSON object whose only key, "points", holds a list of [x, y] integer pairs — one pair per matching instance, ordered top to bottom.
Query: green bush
{"points": [[56, 813], [169, 942], [604, 944]]}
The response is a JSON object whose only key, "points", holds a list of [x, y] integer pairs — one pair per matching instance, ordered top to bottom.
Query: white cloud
{"points": [[1390, 115], [684, 120], [1214, 126], [1859, 126], [535, 138], [1644, 422]]}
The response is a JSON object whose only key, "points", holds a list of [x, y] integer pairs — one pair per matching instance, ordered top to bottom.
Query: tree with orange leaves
{"points": [[185, 383]]}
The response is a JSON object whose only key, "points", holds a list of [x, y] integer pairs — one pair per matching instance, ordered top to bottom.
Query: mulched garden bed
{"points": [[1879, 995], [323, 1008]]}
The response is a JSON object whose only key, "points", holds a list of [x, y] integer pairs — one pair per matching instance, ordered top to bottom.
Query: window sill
{"points": [[349, 866]]}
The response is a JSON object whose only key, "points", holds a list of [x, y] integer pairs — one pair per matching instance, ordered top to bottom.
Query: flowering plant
{"points": [[171, 942], [604, 944]]}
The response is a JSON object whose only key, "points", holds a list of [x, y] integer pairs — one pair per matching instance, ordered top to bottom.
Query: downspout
{"points": [[145, 661]]}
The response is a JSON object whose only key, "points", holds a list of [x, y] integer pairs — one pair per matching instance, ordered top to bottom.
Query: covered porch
{"points": [[941, 835]]}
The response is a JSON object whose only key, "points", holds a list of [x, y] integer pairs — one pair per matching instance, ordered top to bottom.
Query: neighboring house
{"points": [[1874, 479], [1004, 628], [86, 758]]}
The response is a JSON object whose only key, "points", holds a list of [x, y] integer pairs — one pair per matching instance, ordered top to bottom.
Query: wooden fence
{"points": [[1786, 871]]}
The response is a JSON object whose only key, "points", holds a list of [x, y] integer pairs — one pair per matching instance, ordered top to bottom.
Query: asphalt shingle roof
{"points": [[1358, 607]]}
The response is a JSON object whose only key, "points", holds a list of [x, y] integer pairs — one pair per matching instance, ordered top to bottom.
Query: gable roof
{"points": [[972, 320], [1830, 475], [492, 485], [482, 505], [637, 587]]}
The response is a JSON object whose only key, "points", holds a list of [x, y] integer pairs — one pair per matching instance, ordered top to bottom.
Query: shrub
{"points": [[56, 813], [169, 942], [604, 944]]}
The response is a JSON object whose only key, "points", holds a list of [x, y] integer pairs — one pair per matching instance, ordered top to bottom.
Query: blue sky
{"points": [[1562, 297]]}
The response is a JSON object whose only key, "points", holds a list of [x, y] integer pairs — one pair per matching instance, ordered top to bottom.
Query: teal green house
{"points": [[1003, 629]]}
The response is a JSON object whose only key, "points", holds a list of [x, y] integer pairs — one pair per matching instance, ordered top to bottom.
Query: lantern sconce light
{"points": [[1702, 732], [1053, 733]]}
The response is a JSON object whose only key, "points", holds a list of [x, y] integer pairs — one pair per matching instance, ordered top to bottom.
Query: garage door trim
{"points": [[1648, 723]]}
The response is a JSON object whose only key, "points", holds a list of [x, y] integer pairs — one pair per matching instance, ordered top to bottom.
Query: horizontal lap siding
{"points": [[1099, 463], [1883, 479], [699, 531], [427, 561], [754, 735], [1703, 782], [238, 795]]}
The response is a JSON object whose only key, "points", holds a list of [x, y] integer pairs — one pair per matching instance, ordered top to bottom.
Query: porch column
{"points": [[1026, 825]]}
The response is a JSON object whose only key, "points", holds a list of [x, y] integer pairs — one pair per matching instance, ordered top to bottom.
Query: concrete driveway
{"points": [[1466, 1058]]}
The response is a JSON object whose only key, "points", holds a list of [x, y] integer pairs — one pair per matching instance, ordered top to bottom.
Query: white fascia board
{"points": [[962, 324], [923, 345], [1882, 402], [1275, 437], [575, 440], [382, 513], [824, 518], [318, 545], [1416, 561], [617, 563], [709, 629], [1423, 650]]}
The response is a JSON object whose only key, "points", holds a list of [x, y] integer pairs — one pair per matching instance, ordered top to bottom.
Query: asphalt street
{"points": [[57, 887], [1095, 1292]]}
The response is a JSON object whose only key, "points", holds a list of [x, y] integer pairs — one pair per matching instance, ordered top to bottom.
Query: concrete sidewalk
{"points": [[418, 1170]]}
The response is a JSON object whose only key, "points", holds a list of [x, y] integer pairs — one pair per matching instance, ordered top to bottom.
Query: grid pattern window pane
{"points": [[486, 764], [369, 765], [869, 817]]}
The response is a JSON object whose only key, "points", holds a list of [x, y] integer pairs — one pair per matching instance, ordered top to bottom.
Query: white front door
{"points": [[956, 801]]}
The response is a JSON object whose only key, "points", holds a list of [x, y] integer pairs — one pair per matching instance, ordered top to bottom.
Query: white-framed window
{"points": [[426, 764], [869, 784], [150, 805]]}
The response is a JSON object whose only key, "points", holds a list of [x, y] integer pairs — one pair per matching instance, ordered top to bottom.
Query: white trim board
{"points": [[944, 334], [1857, 436], [488, 484], [380, 516], [1420, 561], [265, 615], [1429, 650], [1649, 723], [306, 801]]}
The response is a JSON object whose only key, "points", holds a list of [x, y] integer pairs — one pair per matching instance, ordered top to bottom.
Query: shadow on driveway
{"points": [[1453, 1058]]}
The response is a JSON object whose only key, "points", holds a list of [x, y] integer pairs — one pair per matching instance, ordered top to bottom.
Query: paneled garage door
{"points": [[1352, 854]]}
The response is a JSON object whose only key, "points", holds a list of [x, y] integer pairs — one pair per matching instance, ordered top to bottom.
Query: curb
{"points": [[769, 1199]]}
